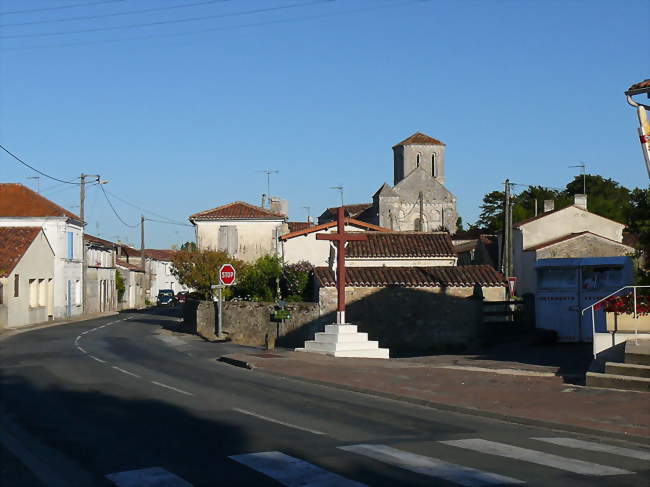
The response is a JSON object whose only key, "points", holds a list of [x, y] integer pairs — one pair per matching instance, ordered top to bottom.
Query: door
{"points": [[597, 282], [557, 302]]}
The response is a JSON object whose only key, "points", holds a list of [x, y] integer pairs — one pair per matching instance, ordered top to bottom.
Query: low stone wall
{"points": [[200, 317]]}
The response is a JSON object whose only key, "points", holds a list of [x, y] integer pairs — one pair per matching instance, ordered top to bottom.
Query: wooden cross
{"points": [[340, 237]]}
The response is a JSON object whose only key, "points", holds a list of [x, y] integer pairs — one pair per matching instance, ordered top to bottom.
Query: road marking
{"points": [[81, 349], [98, 359], [126, 372], [172, 388], [266, 418], [588, 445], [533, 456], [433, 467], [292, 472], [147, 477]]}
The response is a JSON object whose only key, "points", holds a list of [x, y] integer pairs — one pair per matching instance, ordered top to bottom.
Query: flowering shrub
{"points": [[296, 280], [625, 304]]}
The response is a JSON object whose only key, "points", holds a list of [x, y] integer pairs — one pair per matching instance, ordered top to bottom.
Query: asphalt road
{"points": [[124, 400]]}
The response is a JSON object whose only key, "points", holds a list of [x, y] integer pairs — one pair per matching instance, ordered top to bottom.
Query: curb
{"points": [[9, 332], [643, 440]]}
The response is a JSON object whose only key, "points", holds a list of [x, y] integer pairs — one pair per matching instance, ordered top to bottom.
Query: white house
{"points": [[22, 207], [244, 231], [569, 232], [159, 274], [26, 277], [101, 293]]}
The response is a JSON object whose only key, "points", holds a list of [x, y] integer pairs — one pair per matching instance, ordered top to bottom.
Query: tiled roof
{"points": [[639, 86], [418, 138], [18, 200], [350, 210], [236, 211], [542, 215], [297, 226], [325, 226], [569, 237], [97, 240], [14, 242], [402, 245], [165, 255], [128, 265], [451, 276]]}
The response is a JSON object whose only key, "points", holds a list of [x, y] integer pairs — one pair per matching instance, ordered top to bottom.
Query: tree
{"points": [[605, 197], [491, 218], [188, 246], [199, 269], [261, 280]]}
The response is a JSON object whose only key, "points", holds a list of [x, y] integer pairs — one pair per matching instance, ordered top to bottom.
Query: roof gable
{"points": [[418, 138], [418, 180], [386, 192], [17, 200], [565, 209], [237, 210], [325, 226], [571, 236], [14, 242], [402, 245], [164, 255]]}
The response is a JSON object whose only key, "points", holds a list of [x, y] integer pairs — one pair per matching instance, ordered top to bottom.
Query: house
{"points": [[22, 207], [350, 211], [244, 231], [571, 232], [301, 244], [475, 248], [129, 265], [159, 275], [26, 277], [101, 292]]}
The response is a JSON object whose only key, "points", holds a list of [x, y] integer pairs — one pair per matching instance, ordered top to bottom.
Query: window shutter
{"points": [[223, 239], [233, 244], [70, 245]]}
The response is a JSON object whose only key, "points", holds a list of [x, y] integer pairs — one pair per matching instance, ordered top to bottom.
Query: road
{"points": [[124, 400]]}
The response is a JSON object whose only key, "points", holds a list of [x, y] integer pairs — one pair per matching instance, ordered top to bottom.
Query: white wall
{"points": [[255, 238], [160, 277], [34, 302]]}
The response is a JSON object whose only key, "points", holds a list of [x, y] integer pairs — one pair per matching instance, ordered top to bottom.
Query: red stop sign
{"points": [[227, 274]]}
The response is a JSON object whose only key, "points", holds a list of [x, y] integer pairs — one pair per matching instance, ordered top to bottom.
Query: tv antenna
{"points": [[268, 173], [584, 176], [38, 182], [340, 190], [306, 208]]}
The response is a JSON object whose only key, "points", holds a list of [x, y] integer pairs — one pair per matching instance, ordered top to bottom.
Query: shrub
{"points": [[199, 270], [261, 280], [297, 280]]}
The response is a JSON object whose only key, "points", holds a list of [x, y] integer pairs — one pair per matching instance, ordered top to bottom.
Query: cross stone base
{"points": [[344, 341]]}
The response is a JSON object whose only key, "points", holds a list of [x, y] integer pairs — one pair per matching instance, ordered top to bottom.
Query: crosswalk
{"points": [[290, 471]]}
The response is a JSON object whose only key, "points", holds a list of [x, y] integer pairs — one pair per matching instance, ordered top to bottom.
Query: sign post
{"points": [[227, 276], [512, 285]]}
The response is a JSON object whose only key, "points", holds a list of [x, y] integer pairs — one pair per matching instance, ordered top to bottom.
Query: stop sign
{"points": [[227, 275]]}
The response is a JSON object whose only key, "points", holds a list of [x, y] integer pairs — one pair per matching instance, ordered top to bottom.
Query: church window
{"points": [[417, 160], [434, 166], [417, 225]]}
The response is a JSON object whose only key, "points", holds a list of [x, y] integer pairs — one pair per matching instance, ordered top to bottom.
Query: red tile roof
{"points": [[645, 84], [418, 138], [18, 200], [236, 211], [297, 226], [325, 226], [569, 237], [97, 240], [14, 242], [402, 245], [165, 255], [128, 265], [451, 276]]}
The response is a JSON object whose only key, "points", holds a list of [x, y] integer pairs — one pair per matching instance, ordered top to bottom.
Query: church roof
{"points": [[418, 138], [386, 191], [17, 200], [237, 211], [402, 245], [448, 276]]}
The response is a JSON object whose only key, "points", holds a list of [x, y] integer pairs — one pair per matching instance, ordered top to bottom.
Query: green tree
{"points": [[605, 197], [491, 218], [189, 246], [199, 269], [261, 280], [297, 280], [119, 286]]}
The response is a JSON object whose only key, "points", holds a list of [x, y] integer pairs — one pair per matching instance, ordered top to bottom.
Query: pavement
{"points": [[512, 390]]}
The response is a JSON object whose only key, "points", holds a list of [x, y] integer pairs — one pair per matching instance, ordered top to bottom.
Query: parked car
{"points": [[181, 296], [166, 298]]}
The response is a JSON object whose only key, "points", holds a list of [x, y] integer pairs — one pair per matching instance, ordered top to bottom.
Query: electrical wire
{"points": [[60, 7], [115, 14], [166, 22], [34, 169], [114, 210], [170, 220], [169, 223]]}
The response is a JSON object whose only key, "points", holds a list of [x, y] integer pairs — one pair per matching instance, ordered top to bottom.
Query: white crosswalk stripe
{"points": [[589, 445], [538, 457], [432, 467], [291, 471], [147, 477]]}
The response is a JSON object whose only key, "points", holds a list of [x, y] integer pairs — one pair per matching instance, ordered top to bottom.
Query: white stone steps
{"points": [[341, 337], [344, 341], [341, 346]]}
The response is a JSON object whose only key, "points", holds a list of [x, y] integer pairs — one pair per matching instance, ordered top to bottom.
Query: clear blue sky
{"points": [[180, 116]]}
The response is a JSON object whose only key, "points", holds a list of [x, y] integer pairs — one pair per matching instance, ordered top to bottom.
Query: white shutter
{"points": [[223, 239], [233, 244]]}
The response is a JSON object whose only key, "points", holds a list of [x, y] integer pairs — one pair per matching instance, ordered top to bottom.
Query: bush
{"points": [[199, 270], [261, 280], [297, 281]]}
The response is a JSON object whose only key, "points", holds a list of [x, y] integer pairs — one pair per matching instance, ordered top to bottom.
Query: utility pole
{"points": [[507, 232], [84, 260], [144, 269]]}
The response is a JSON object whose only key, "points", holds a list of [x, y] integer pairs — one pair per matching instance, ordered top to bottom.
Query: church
{"points": [[418, 201]]}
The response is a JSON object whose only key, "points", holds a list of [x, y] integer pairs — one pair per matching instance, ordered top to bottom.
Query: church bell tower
{"points": [[419, 150]]}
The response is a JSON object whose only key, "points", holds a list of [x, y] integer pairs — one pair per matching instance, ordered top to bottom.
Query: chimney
{"points": [[263, 200], [580, 200], [280, 205], [549, 205]]}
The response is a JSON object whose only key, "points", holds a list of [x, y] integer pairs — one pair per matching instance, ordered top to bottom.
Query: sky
{"points": [[180, 104]]}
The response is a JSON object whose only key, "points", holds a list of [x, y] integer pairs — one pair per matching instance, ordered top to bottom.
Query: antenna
{"points": [[268, 173], [584, 176], [38, 182], [340, 190], [306, 208]]}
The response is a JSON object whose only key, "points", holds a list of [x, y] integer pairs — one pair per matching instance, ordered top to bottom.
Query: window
{"points": [[417, 160], [434, 166], [228, 239], [70, 245], [557, 279], [16, 285], [42, 292], [33, 293]]}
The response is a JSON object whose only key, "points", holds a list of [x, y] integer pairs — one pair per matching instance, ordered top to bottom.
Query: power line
{"points": [[60, 7], [115, 14], [166, 22], [216, 29], [34, 169], [144, 209], [114, 210], [169, 223]]}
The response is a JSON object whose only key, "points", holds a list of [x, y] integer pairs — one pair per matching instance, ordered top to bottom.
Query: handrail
{"points": [[593, 317]]}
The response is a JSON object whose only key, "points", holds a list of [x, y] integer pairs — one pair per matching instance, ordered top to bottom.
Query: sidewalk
{"points": [[7, 332], [513, 391]]}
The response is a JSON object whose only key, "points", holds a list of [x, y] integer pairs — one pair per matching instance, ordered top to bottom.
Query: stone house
{"points": [[22, 207], [244, 231], [570, 232], [26, 277], [101, 293]]}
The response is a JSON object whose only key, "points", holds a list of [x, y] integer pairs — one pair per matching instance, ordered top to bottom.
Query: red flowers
{"points": [[625, 304]]}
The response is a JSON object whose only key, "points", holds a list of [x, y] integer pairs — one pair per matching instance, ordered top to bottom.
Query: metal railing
{"points": [[593, 315]]}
